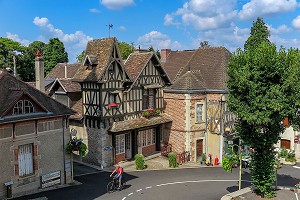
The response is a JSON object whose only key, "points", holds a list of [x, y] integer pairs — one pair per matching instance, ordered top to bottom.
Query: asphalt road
{"points": [[197, 183]]}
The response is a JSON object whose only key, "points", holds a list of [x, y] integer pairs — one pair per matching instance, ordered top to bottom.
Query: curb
{"points": [[235, 194]]}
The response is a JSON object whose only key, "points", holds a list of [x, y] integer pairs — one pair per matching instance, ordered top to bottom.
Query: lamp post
{"points": [[240, 160]]}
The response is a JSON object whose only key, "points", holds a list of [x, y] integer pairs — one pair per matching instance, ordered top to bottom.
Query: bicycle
{"points": [[114, 184]]}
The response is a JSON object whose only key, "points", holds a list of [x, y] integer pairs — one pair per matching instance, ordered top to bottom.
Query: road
{"points": [[196, 183]]}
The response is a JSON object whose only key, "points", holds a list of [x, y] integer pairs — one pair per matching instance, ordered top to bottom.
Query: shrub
{"points": [[283, 153], [203, 157], [290, 157], [172, 160], [139, 161], [226, 165]]}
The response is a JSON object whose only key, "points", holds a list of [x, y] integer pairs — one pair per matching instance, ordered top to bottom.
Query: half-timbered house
{"points": [[113, 98]]}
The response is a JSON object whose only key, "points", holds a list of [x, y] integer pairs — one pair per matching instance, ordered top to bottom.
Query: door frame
{"points": [[203, 146]]}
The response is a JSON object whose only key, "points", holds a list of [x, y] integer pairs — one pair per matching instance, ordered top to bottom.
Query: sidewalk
{"points": [[158, 162]]}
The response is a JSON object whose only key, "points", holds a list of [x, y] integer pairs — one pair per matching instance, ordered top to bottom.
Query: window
{"points": [[111, 68], [112, 98], [149, 99], [23, 107], [28, 107], [18, 109], [199, 113], [146, 137], [120, 144], [25, 159]]}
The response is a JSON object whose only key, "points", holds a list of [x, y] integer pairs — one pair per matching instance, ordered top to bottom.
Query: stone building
{"points": [[196, 100], [33, 135]]}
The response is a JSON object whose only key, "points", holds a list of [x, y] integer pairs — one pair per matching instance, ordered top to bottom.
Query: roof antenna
{"points": [[110, 26]]}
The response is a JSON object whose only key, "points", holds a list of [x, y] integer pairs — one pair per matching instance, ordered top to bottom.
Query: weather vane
{"points": [[110, 26]]}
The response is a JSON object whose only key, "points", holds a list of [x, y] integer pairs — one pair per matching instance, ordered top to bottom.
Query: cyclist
{"points": [[118, 175]]}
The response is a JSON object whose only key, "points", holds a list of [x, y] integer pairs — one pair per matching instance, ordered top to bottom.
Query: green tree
{"points": [[259, 33], [125, 49], [8, 50], [157, 51], [54, 53], [80, 57], [26, 61], [263, 88]]}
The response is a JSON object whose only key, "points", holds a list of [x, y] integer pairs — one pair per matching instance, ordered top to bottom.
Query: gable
{"points": [[22, 105]]}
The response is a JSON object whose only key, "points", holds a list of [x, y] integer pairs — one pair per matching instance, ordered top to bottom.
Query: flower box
{"points": [[113, 105], [151, 113]]}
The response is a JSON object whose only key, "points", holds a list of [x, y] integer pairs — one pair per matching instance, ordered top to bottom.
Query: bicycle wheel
{"points": [[110, 187]]}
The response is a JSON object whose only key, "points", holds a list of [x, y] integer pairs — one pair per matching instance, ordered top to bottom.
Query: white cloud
{"points": [[116, 4], [260, 8], [94, 10], [204, 15], [296, 22], [122, 28], [282, 29], [16, 38], [158, 40], [74, 42]]}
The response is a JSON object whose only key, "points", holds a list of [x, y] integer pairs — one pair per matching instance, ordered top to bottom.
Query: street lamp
{"points": [[240, 160]]}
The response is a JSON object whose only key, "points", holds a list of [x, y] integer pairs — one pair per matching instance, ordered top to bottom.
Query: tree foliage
{"points": [[125, 49], [8, 50], [54, 53], [80, 57], [263, 88]]}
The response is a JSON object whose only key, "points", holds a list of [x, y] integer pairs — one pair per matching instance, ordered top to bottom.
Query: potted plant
{"points": [[76, 145], [203, 158]]}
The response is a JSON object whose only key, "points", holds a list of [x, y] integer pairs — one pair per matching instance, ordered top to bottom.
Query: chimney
{"points": [[164, 54], [66, 71], [39, 72]]}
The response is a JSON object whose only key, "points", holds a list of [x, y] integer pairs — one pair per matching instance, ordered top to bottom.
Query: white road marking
{"points": [[296, 167], [199, 181], [149, 187], [139, 190], [130, 194], [296, 196], [124, 198]]}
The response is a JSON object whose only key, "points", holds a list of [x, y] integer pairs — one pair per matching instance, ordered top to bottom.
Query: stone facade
{"points": [[48, 150]]}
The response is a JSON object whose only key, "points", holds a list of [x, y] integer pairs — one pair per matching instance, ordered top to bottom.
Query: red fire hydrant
{"points": [[216, 161]]}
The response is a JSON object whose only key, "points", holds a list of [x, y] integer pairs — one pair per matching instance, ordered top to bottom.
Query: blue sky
{"points": [[174, 24]]}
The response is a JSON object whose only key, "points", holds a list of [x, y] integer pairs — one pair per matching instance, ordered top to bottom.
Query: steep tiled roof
{"points": [[99, 51], [175, 61], [136, 62], [207, 69], [59, 70], [68, 85], [11, 89], [77, 106], [139, 123]]}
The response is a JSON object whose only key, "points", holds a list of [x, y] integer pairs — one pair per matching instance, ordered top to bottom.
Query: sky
{"points": [[173, 24]]}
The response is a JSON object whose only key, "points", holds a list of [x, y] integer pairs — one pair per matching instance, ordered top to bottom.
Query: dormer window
{"points": [[111, 68], [23, 107]]}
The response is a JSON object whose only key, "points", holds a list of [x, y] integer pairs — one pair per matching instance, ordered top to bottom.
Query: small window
{"points": [[111, 68], [149, 97], [112, 98], [23, 107], [28, 107], [18, 109], [199, 113], [25, 159]]}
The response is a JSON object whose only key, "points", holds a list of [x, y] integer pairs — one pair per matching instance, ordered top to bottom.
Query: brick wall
{"points": [[148, 149], [120, 157]]}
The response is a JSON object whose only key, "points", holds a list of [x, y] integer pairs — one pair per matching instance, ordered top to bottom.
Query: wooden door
{"points": [[286, 144], [199, 149]]}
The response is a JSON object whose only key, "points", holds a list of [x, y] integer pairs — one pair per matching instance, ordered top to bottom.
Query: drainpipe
{"points": [[206, 127]]}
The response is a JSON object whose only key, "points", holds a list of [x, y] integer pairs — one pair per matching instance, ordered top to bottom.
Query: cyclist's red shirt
{"points": [[120, 170]]}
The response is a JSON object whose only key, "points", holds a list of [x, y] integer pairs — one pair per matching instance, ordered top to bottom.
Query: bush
{"points": [[283, 153], [203, 157], [290, 157], [172, 160], [139, 161], [226, 165]]}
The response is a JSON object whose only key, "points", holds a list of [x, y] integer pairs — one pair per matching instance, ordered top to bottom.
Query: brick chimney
{"points": [[164, 54], [39, 72]]}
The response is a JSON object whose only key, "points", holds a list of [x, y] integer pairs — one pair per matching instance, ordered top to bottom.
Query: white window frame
{"points": [[22, 106], [199, 112], [147, 137], [120, 144], [25, 159]]}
